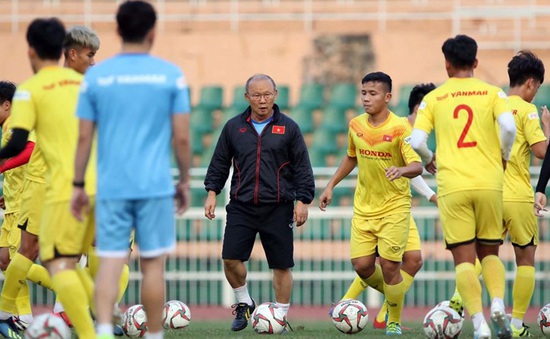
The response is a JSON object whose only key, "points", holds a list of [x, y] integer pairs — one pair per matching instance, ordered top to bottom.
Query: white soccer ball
{"points": [[446, 303], [175, 315], [350, 316], [268, 318], [543, 320], [134, 321], [442, 322], [48, 326]]}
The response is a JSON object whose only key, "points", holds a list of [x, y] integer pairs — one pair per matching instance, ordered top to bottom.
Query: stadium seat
{"points": [[343, 95], [312, 96], [543, 96], [211, 97], [283, 97], [239, 102], [303, 116], [201, 119], [334, 119], [195, 137], [324, 141], [317, 157]]}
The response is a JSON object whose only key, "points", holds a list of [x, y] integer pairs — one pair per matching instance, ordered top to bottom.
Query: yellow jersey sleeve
{"points": [[23, 108], [409, 155]]}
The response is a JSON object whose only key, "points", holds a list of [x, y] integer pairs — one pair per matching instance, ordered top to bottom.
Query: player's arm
{"points": [[180, 127], [507, 134], [419, 142], [16, 144], [539, 148], [18, 160], [346, 166], [544, 176], [420, 185]]}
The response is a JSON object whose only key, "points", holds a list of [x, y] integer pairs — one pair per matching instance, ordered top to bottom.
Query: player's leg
{"points": [[489, 217], [114, 223], [522, 226], [459, 232], [393, 234], [277, 240], [62, 241], [238, 241], [412, 263]]}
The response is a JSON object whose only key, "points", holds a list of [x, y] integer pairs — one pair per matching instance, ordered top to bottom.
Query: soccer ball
{"points": [[446, 303], [175, 315], [350, 316], [268, 318], [544, 320], [134, 321], [442, 322], [47, 325]]}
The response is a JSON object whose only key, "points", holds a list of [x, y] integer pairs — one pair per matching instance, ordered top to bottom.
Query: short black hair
{"points": [[135, 19], [46, 36], [460, 51], [524, 65], [378, 77], [7, 90], [417, 94]]}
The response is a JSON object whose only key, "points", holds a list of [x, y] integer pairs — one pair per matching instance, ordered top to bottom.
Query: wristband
{"points": [[78, 184]]}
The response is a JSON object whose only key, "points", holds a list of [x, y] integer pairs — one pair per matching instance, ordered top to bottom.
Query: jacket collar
{"points": [[276, 113]]}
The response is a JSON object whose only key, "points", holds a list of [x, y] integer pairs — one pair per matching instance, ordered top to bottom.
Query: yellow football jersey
{"points": [[46, 103], [463, 112], [376, 149], [35, 170], [13, 179], [517, 179]]}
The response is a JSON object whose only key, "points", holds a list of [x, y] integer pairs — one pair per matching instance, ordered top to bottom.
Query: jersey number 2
{"points": [[461, 143]]}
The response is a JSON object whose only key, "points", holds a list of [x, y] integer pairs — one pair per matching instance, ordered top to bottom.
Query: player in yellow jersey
{"points": [[526, 74], [46, 104], [379, 145], [470, 168], [412, 258]]}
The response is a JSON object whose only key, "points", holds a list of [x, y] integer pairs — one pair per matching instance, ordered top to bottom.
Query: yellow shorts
{"points": [[32, 203], [469, 216], [521, 223], [10, 235], [61, 235], [387, 235], [413, 243]]}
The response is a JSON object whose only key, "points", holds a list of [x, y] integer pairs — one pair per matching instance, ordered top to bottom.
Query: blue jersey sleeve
{"points": [[181, 103], [85, 109]]}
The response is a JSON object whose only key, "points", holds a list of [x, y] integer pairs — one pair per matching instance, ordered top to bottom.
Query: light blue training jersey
{"points": [[131, 98]]}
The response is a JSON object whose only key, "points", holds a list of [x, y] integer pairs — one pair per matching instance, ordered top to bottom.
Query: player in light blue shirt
{"points": [[139, 105]]}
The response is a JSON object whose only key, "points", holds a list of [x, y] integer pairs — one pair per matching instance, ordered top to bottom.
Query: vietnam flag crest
{"points": [[278, 129], [387, 138]]}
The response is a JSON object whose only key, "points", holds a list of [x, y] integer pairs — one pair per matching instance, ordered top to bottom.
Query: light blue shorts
{"points": [[153, 221]]}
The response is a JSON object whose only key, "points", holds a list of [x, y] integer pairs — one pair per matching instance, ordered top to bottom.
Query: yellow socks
{"points": [[93, 261], [39, 275], [15, 276], [493, 276], [407, 280], [123, 282], [88, 285], [358, 285], [524, 285], [469, 287], [72, 294], [395, 295], [23, 300]]}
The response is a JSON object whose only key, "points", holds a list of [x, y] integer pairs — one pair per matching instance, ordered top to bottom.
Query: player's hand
{"points": [[545, 116], [504, 163], [431, 167], [393, 173], [182, 197], [325, 199], [433, 199], [2, 203], [79, 203], [540, 204], [210, 205], [300, 213]]}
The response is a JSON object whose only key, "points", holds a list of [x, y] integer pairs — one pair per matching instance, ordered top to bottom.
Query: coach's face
{"points": [[261, 96], [375, 97]]}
